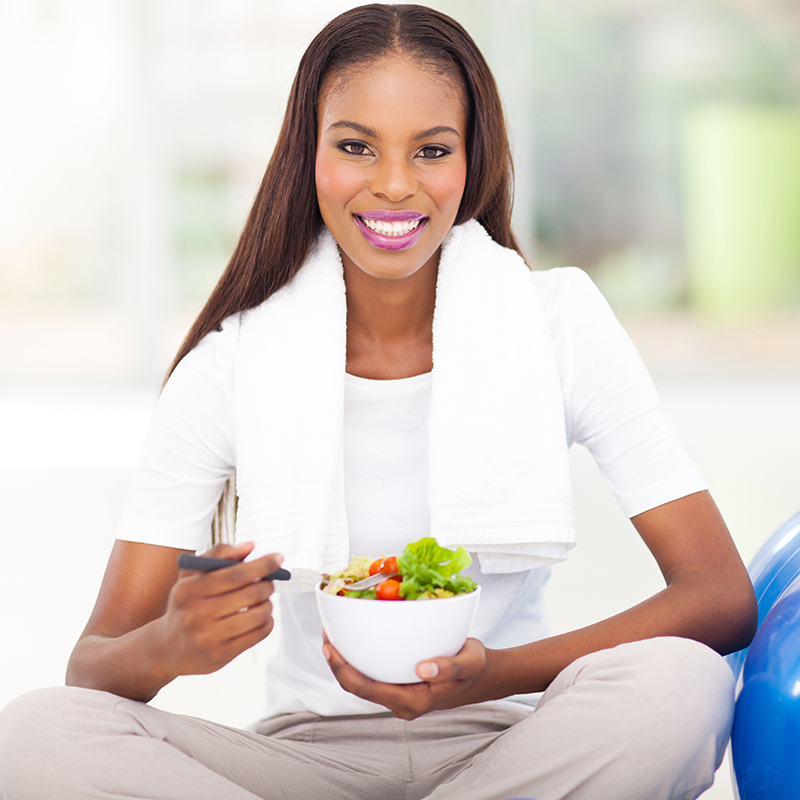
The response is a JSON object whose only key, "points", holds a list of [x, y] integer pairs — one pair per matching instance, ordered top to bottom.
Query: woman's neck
{"points": [[390, 325]]}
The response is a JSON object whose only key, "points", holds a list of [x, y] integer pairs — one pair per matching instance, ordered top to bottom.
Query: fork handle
{"points": [[208, 564]]}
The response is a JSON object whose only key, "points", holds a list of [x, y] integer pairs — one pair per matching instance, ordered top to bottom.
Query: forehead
{"points": [[393, 93]]}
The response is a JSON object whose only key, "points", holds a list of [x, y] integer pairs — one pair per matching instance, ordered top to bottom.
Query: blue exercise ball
{"points": [[774, 567], [766, 730], [765, 741]]}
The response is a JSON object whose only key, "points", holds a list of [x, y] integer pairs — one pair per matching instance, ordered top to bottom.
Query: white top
{"points": [[610, 406], [386, 462]]}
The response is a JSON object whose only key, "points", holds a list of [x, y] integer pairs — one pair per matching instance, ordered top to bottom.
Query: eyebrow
{"points": [[343, 123], [363, 129], [436, 131]]}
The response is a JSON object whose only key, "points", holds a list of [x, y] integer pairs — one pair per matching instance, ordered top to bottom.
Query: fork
{"points": [[368, 583]]}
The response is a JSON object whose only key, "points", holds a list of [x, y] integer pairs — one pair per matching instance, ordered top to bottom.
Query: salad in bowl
{"points": [[425, 571], [386, 640]]}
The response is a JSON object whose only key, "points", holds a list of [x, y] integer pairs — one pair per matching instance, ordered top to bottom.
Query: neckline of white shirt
{"points": [[355, 380]]}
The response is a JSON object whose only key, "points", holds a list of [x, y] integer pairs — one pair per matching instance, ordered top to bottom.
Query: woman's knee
{"points": [[672, 666], [678, 677], [684, 677], [691, 688], [666, 697], [54, 709], [31, 717], [39, 735]]}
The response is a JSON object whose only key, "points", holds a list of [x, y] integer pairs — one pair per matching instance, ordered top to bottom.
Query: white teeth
{"points": [[390, 228]]}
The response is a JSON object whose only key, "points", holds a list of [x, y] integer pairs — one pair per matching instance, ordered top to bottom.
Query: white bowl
{"points": [[386, 639]]}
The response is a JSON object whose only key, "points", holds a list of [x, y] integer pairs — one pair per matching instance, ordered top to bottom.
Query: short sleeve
{"points": [[610, 402], [189, 451]]}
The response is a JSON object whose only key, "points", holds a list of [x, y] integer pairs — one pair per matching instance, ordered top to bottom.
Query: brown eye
{"points": [[354, 148], [431, 153]]}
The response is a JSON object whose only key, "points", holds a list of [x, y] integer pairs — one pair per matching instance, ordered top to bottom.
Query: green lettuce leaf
{"points": [[428, 570]]}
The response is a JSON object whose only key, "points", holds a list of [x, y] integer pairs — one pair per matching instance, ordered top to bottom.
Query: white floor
{"points": [[66, 463]]}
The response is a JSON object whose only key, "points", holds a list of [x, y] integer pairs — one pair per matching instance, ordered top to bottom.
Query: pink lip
{"points": [[380, 215], [391, 242]]}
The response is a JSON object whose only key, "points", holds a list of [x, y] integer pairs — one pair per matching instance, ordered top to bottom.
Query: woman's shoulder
{"points": [[558, 280], [569, 291], [220, 343], [210, 361]]}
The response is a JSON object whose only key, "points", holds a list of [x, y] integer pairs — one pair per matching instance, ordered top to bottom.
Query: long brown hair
{"points": [[285, 217]]}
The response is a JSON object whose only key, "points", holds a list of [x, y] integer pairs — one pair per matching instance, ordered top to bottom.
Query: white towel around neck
{"points": [[499, 479]]}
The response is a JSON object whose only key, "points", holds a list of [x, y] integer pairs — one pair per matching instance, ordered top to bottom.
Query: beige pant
{"points": [[643, 720]]}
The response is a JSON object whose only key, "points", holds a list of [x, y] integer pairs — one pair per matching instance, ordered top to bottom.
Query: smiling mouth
{"points": [[388, 228], [391, 230]]}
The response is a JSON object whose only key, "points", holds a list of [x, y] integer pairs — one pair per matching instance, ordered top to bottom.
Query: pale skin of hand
{"points": [[708, 597], [153, 622]]}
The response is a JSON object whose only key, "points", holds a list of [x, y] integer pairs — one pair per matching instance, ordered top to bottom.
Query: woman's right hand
{"points": [[213, 617], [153, 622]]}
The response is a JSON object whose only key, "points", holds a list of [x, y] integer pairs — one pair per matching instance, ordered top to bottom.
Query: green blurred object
{"points": [[742, 182]]}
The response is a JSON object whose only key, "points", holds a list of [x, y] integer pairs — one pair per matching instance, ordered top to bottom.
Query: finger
{"points": [[231, 552], [237, 552], [268, 564], [235, 577], [249, 596], [247, 621], [237, 631], [250, 639], [226, 650], [332, 655], [465, 665], [428, 670], [348, 676], [406, 701]]}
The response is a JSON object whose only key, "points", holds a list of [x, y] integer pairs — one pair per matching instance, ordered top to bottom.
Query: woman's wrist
{"points": [[160, 661], [527, 669], [508, 672]]}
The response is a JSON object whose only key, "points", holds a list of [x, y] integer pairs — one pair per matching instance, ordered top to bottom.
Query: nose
{"points": [[393, 179]]}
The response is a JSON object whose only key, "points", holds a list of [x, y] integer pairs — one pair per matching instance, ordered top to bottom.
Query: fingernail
{"points": [[326, 651], [428, 670]]}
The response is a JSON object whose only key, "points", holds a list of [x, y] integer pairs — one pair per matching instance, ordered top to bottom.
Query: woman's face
{"points": [[391, 164]]}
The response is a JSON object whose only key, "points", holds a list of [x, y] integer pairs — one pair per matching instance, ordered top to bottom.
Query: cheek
{"points": [[336, 184], [448, 186]]}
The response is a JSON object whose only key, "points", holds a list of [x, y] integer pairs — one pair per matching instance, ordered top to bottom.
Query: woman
{"points": [[379, 245]]}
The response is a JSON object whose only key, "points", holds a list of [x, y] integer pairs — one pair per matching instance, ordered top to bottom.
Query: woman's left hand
{"points": [[446, 682]]}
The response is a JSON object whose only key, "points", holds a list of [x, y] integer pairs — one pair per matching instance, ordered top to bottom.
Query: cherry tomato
{"points": [[386, 565], [389, 565], [375, 566], [388, 590]]}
